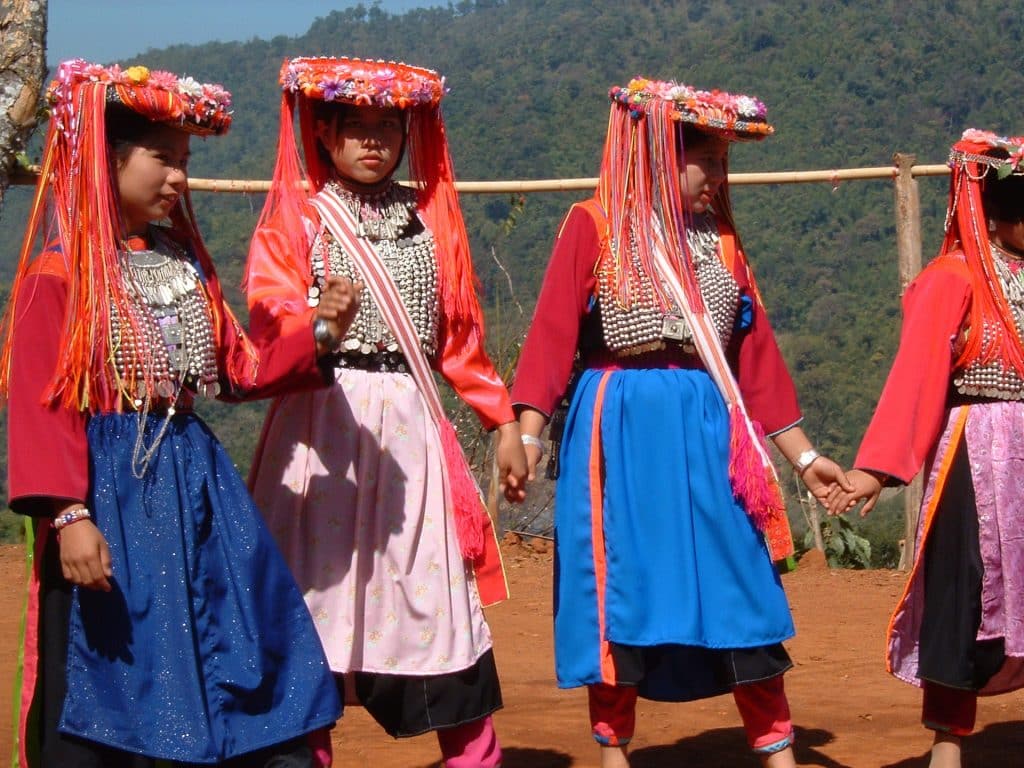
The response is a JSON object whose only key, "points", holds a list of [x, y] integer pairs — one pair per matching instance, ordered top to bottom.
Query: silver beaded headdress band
{"points": [[974, 145]]}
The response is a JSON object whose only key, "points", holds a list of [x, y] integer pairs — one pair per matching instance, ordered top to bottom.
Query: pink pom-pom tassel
{"points": [[752, 482], [466, 502]]}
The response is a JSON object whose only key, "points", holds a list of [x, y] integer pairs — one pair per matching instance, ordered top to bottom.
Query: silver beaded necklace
{"points": [[383, 215], [411, 261], [643, 326], [169, 340], [993, 380]]}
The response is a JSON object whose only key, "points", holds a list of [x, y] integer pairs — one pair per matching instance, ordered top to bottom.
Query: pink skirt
{"points": [[994, 436], [349, 481]]}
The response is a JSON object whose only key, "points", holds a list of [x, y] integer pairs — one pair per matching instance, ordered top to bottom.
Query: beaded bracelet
{"points": [[65, 519]]}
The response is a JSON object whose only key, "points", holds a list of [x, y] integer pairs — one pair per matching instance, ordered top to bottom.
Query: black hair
{"points": [[329, 113], [125, 128], [691, 136], [1003, 199]]}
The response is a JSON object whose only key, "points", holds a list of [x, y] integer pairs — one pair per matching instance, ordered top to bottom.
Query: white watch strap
{"points": [[536, 442]]}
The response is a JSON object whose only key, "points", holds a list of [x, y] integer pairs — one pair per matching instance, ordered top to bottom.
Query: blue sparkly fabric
{"points": [[204, 649]]}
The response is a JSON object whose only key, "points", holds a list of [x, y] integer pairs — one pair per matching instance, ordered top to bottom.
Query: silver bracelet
{"points": [[536, 442]]}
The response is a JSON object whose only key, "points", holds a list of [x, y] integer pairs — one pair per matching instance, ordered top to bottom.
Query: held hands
{"points": [[339, 302], [512, 463], [821, 476], [864, 485], [84, 556]]}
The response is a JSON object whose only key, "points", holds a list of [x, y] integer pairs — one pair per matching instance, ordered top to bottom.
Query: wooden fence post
{"points": [[908, 242]]}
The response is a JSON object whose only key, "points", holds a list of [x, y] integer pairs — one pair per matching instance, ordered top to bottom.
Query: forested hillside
{"points": [[846, 83]]}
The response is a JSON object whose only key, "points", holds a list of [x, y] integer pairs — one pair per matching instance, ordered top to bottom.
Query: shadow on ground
{"points": [[1000, 744], [727, 748], [525, 757]]}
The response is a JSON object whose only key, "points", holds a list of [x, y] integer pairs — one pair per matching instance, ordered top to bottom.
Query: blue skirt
{"points": [[653, 550], [204, 648]]}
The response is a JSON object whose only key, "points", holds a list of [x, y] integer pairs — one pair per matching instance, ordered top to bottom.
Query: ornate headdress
{"points": [[363, 83], [416, 91], [163, 97], [730, 116], [987, 148], [970, 160], [77, 198]]}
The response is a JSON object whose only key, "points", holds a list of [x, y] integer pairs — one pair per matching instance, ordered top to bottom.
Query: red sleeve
{"points": [[277, 284], [279, 322], [546, 360], [285, 361], [466, 367], [761, 372], [911, 411], [47, 450]]}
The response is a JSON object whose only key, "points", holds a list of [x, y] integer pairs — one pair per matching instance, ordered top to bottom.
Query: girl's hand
{"points": [[339, 302], [532, 422], [533, 457], [512, 465], [822, 475], [865, 485], [84, 556]]}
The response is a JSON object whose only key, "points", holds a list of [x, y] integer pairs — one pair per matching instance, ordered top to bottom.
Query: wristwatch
{"points": [[322, 335], [804, 460]]}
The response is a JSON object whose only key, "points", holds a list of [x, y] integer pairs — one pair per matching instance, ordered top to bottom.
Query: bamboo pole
{"points": [[29, 175], [568, 185], [908, 243]]}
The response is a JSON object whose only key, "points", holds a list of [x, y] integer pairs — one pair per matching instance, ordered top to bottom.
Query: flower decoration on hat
{"points": [[362, 82], [163, 97], [731, 116], [988, 148]]}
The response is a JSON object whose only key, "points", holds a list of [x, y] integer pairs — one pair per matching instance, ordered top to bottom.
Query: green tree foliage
{"points": [[847, 84]]}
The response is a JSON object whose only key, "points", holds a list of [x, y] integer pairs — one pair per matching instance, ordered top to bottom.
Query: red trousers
{"points": [[763, 708], [950, 710], [470, 745]]}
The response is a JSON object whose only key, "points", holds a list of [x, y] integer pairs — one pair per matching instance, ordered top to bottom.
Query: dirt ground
{"points": [[848, 712]]}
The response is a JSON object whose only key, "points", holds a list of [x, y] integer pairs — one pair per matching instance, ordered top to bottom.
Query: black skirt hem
{"points": [[411, 705]]}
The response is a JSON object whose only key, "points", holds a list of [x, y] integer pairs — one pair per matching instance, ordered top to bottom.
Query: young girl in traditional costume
{"points": [[952, 404], [364, 485], [665, 586], [163, 623]]}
